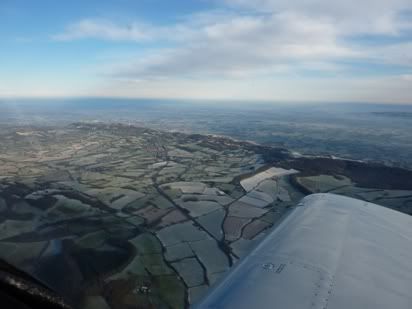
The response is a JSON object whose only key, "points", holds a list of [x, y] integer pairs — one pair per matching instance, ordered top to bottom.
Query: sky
{"points": [[275, 50]]}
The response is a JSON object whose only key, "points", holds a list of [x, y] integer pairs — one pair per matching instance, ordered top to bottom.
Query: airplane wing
{"points": [[331, 252]]}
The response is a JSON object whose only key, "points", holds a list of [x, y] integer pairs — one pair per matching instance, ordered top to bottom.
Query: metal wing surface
{"points": [[331, 252]]}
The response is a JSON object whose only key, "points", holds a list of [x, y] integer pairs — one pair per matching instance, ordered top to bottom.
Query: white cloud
{"points": [[349, 16], [91, 28], [103, 29], [269, 36], [260, 41], [242, 45], [395, 54], [407, 77]]}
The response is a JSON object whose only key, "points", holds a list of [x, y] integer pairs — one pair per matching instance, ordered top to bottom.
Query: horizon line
{"points": [[209, 100]]}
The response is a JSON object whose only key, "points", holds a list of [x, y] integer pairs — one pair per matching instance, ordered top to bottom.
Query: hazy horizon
{"points": [[231, 101]]}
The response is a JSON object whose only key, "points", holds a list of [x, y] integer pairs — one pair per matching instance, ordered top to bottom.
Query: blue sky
{"points": [[316, 50]]}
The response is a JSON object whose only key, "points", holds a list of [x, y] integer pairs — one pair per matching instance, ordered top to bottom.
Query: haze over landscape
{"points": [[147, 146]]}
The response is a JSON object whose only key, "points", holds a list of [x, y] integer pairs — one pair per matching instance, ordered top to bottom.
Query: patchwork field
{"points": [[130, 215]]}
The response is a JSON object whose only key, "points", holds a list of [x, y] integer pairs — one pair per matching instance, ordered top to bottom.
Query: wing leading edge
{"points": [[331, 252]]}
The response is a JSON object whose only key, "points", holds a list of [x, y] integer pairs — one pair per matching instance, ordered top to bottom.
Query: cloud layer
{"points": [[264, 39]]}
